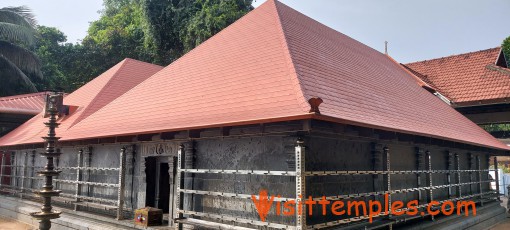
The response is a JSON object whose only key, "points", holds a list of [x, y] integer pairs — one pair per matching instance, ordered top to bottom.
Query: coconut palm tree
{"points": [[17, 62]]}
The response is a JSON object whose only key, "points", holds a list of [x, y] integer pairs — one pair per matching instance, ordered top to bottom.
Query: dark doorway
{"points": [[150, 173], [158, 183], [164, 188]]}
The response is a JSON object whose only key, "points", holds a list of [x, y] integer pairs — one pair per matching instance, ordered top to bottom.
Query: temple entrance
{"points": [[160, 175]]}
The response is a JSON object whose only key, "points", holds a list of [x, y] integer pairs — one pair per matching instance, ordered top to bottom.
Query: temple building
{"points": [[477, 84], [276, 102], [16, 110]]}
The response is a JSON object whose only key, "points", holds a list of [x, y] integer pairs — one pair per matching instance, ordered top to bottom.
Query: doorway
{"points": [[159, 183]]}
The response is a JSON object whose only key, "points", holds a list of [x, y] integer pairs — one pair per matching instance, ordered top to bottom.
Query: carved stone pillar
{"points": [[290, 152], [130, 153], [87, 161], [172, 163], [189, 163], [377, 165], [420, 165], [450, 167], [457, 167], [14, 169], [32, 172], [78, 178], [142, 178]]}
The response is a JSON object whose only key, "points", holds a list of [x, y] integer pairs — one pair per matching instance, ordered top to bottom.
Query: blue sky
{"points": [[416, 30]]}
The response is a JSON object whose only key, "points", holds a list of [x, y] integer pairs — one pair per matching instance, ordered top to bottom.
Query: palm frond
{"points": [[24, 12], [13, 18], [16, 33], [24, 59], [9, 73]]}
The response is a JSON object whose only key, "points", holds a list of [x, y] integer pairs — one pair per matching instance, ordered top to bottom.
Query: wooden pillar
{"points": [[387, 156], [300, 184], [120, 195]]}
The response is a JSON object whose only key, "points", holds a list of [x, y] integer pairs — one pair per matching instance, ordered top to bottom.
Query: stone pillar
{"points": [[130, 153], [450, 161], [87, 162], [189, 163], [377, 165], [420, 165], [457, 167], [471, 167], [387, 168], [2, 169], [171, 169], [14, 170], [32, 172], [23, 174], [496, 177], [78, 178], [122, 178], [142, 178], [179, 183], [480, 190], [508, 200], [301, 213]]}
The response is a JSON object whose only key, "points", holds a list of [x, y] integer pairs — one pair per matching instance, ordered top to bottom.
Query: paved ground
{"points": [[10, 224], [503, 225]]}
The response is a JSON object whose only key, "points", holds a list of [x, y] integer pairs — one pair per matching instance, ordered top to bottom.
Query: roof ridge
{"points": [[452, 56], [298, 87], [83, 114]]}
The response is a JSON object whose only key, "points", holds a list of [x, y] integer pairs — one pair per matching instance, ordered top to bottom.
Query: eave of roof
{"points": [[29, 104]]}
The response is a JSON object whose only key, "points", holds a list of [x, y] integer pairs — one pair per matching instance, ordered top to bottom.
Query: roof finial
{"points": [[386, 47], [314, 104]]}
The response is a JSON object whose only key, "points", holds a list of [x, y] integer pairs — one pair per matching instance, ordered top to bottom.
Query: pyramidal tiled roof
{"points": [[265, 67], [467, 78], [88, 99], [32, 103]]}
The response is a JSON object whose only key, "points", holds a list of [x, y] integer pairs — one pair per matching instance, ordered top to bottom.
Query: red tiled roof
{"points": [[265, 67], [467, 78], [89, 98], [32, 103]]}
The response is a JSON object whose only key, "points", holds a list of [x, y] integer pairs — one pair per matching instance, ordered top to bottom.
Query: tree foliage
{"points": [[177, 26], [155, 31], [506, 50], [19, 66]]}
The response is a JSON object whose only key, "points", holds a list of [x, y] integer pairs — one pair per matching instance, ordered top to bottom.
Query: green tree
{"points": [[210, 18], [177, 26], [506, 50], [18, 65], [68, 66]]}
